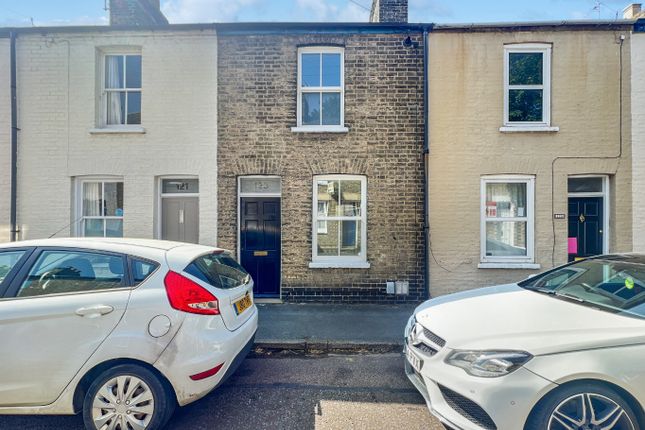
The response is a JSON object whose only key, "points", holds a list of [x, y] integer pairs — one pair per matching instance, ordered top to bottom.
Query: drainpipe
{"points": [[14, 139], [426, 151]]}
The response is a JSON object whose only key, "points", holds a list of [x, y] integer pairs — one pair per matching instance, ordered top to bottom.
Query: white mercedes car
{"points": [[120, 330], [563, 350]]}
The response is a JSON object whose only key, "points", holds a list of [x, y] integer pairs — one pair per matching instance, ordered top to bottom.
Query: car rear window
{"points": [[219, 270]]}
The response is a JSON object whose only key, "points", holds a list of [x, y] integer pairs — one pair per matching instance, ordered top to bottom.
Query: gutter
{"points": [[14, 140], [426, 151]]}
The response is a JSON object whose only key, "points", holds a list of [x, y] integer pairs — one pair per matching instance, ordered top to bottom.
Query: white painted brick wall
{"points": [[58, 102], [5, 139], [638, 139]]}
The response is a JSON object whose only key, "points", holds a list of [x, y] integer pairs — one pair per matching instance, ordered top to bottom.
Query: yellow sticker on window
{"points": [[629, 283]]}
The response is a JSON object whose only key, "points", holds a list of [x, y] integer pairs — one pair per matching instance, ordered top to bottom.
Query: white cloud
{"points": [[324, 10], [185, 11], [80, 20]]}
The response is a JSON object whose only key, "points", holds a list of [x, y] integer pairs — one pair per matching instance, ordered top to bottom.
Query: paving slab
{"points": [[332, 327]]}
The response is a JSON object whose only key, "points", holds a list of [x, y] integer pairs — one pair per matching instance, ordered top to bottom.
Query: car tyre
{"points": [[128, 393], [570, 402]]}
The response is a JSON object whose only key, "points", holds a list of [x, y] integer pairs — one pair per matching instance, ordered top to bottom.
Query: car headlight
{"points": [[488, 364]]}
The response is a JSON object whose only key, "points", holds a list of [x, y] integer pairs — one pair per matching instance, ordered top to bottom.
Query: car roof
{"points": [[149, 248]]}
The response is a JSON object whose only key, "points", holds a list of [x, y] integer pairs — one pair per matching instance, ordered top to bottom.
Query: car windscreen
{"points": [[219, 270], [614, 284]]}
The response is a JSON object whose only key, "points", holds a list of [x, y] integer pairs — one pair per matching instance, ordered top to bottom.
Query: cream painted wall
{"points": [[58, 106], [466, 112], [638, 138], [5, 139]]}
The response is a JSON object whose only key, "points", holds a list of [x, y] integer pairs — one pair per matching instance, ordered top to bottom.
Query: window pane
{"points": [[310, 66], [525, 68], [331, 70], [114, 71], [133, 71], [525, 105], [115, 107], [134, 107], [311, 109], [331, 109], [260, 185], [585, 185], [180, 186], [328, 196], [113, 197], [92, 198], [507, 200], [350, 204], [93, 228], [114, 228], [350, 238], [505, 239], [328, 241], [7, 261], [141, 270], [219, 270], [58, 272]]}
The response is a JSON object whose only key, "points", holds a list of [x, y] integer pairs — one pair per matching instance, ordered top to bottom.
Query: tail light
{"points": [[188, 296]]}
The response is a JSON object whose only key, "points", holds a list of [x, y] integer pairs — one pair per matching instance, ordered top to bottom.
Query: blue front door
{"points": [[585, 226], [260, 243]]}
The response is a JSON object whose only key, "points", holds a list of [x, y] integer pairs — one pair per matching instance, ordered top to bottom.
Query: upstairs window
{"points": [[527, 82], [320, 89], [122, 90]]}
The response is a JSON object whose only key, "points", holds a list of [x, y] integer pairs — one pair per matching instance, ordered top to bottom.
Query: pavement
{"points": [[332, 327], [300, 393]]}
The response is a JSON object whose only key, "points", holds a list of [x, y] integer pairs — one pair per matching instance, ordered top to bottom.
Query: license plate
{"points": [[243, 304], [414, 361]]}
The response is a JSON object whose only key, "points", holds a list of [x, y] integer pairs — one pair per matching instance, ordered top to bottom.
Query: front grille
{"points": [[434, 338], [427, 349], [469, 409]]}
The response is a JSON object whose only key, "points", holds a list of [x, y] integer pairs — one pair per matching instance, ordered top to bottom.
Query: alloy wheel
{"points": [[123, 403], [589, 411]]}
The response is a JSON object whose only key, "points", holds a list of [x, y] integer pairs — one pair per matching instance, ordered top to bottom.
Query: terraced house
{"points": [[297, 145], [530, 160], [345, 162]]}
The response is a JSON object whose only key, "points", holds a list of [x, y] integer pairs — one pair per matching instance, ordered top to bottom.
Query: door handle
{"points": [[94, 311]]}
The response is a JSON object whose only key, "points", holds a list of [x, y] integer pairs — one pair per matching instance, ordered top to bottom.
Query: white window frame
{"points": [[103, 99], [545, 125], [339, 128], [79, 221], [358, 261], [510, 262]]}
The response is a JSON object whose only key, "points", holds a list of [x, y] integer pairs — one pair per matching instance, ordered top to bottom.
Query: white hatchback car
{"points": [[122, 330], [563, 350]]}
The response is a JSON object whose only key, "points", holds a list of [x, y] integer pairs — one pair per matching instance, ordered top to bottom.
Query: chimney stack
{"points": [[392, 11], [633, 11], [136, 13]]}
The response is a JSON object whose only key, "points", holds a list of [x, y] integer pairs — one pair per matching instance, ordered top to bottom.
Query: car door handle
{"points": [[94, 311]]}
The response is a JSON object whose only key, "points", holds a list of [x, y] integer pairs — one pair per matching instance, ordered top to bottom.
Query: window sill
{"points": [[320, 129], [529, 129], [119, 130], [339, 265], [510, 265]]}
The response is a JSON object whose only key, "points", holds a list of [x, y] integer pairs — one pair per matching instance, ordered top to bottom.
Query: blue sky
{"points": [[80, 12]]}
